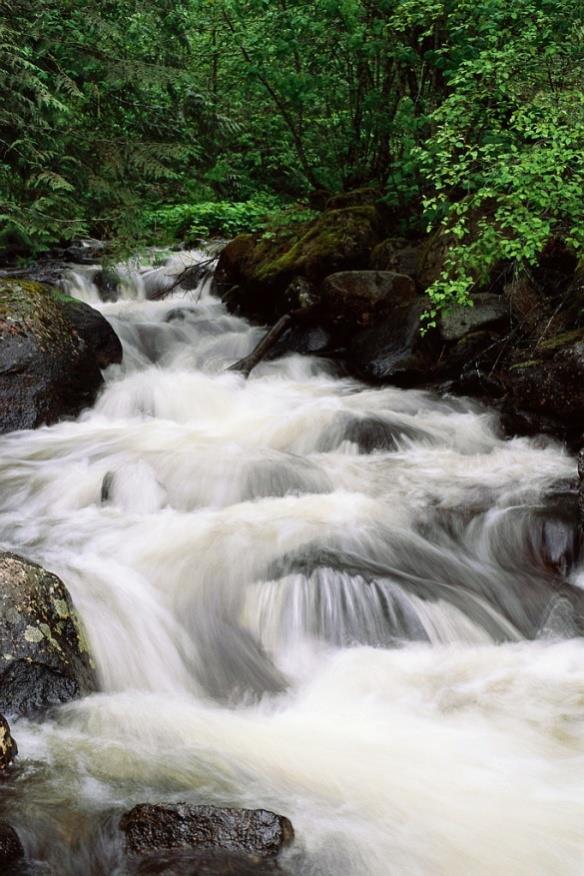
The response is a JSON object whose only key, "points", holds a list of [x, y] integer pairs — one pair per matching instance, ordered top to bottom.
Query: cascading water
{"points": [[357, 607]]}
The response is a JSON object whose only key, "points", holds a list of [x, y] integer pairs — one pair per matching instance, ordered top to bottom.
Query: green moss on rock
{"points": [[263, 266]]}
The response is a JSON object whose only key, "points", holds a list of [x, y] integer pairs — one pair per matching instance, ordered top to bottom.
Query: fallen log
{"points": [[303, 315]]}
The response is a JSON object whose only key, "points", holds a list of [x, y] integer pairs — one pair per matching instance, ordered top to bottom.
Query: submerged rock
{"points": [[108, 282], [52, 349], [44, 659], [8, 747], [155, 828], [11, 849], [207, 863]]}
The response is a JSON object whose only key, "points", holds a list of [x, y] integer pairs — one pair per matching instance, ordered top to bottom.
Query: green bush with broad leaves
{"points": [[505, 162]]}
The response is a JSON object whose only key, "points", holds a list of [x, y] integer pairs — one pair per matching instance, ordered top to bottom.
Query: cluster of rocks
{"points": [[521, 344]]}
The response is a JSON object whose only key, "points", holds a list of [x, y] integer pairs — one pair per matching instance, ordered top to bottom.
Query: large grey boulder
{"points": [[44, 657]]}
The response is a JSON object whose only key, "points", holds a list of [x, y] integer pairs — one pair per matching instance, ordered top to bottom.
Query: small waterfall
{"points": [[357, 606]]}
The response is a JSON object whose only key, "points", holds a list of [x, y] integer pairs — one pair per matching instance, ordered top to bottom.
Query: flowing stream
{"points": [[357, 607]]}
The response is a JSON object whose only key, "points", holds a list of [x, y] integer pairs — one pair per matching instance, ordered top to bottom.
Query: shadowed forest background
{"points": [[151, 121]]}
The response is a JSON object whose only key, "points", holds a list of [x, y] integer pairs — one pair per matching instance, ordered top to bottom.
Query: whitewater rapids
{"points": [[357, 607]]}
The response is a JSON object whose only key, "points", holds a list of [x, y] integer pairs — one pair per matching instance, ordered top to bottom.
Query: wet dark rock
{"points": [[86, 251], [48, 271], [193, 276], [161, 281], [158, 282], [108, 283], [360, 298], [530, 309], [180, 314], [377, 315], [96, 331], [308, 340], [392, 351], [48, 369], [552, 382], [517, 423], [369, 433], [372, 434], [581, 490], [555, 534], [44, 657], [8, 747], [155, 828], [11, 850], [207, 863]]}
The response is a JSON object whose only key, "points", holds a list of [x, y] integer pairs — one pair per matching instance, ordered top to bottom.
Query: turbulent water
{"points": [[357, 607]]}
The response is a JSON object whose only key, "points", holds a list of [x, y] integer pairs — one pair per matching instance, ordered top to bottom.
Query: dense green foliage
{"points": [[127, 120], [191, 222]]}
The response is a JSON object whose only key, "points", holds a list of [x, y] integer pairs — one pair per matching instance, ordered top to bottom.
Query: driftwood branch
{"points": [[199, 267], [301, 316], [246, 365]]}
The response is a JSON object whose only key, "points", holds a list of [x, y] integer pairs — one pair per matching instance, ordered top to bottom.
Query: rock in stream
{"points": [[52, 350], [44, 659], [213, 840]]}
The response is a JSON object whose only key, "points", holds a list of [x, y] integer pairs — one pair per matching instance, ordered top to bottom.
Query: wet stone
{"points": [[52, 349], [44, 659], [8, 747], [155, 828], [11, 850], [207, 863]]}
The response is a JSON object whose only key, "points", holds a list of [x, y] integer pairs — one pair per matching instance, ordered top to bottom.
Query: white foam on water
{"points": [[282, 619]]}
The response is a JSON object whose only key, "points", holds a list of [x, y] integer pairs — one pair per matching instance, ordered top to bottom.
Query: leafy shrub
{"points": [[504, 163]]}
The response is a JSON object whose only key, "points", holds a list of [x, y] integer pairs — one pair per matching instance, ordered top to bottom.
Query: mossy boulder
{"points": [[255, 272], [52, 349], [44, 657]]}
